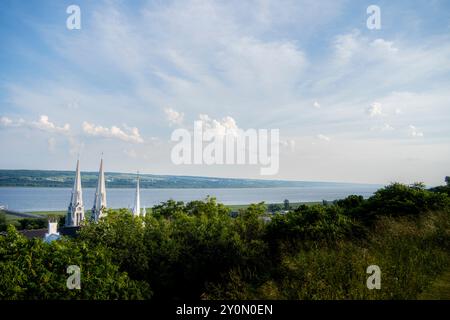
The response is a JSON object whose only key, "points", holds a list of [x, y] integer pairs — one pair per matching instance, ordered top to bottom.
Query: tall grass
{"points": [[410, 252]]}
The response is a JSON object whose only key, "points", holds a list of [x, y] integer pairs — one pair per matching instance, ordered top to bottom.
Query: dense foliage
{"points": [[3, 224], [198, 250], [32, 269]]}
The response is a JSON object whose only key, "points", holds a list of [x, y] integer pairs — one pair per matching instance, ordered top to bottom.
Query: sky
{"points": [[352, 104]]}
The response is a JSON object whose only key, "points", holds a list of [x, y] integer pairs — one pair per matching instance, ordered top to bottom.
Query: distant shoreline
{"points": [[65, 179], [191, 187], [233, 207]]}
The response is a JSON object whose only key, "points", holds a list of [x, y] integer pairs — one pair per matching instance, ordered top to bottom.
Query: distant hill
{"points": [[60, 179]]}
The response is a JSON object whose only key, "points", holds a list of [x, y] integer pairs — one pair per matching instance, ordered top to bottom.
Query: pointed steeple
{"points": [[100, 196], [137, 202], [75, 212]]}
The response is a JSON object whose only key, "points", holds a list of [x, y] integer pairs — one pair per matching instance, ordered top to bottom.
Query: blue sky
{"points": [[352, 104]]}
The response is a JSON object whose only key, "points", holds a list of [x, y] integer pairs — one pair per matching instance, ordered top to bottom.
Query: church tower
{"points": [[137, 202], [98, 210], [75, 212]]}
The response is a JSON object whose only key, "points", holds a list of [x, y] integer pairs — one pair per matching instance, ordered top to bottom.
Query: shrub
{"points": [[32, 269]]}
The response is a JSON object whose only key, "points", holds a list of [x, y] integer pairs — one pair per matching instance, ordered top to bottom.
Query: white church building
{"points": [[76, 213]]}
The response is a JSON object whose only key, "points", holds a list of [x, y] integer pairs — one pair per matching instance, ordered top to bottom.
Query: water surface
{"points": [[41, 199]]}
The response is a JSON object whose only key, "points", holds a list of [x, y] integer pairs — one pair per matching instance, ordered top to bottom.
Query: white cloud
{"points": [[346, 46], [383, 46], [353, 47], [249, 62], [259, 62], [375, 110], [174, 117], [5, 121], [45, 125], [220, 127], [387, 127], [383, 128], [414, 132], [131, 134], [323, 137], [289, 144]]}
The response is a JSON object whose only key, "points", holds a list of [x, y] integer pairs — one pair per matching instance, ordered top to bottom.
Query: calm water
{"points": [[41, 199]]}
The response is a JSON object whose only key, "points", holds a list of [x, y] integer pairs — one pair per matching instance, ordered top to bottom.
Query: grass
{"points": [[293, 205], [47, 213], [11, 217], [411, 252], [439, 289]]}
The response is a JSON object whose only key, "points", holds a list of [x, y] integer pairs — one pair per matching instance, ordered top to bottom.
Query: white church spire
{"points": [[137, 202], [98, 210], [75, 212]]}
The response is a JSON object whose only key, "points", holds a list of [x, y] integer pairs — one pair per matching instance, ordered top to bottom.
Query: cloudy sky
{"points": [[352, 104]]}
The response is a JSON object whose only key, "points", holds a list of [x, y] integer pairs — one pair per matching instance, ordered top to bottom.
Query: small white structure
{"points": [[137, 201], [98, 210], [75, 212], [52, 233]]}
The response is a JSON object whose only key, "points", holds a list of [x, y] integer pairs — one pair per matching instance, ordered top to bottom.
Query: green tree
{"points": [[398, 199], [286, 204], [274, 207], [2, 221], [315, 222], [32, 223], [123, 234], [32, 269]]}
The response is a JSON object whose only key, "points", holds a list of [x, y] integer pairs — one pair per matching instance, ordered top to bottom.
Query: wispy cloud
{"points": [[301, 66], [375, 110], [174, 117], [43, 124], [414, 132], [128, 134], [323, 137]]}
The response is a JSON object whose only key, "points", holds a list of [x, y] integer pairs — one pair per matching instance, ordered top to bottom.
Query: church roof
{"points": [[100, 193], [77, 195]]}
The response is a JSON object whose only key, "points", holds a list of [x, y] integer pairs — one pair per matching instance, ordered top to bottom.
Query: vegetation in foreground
{"points": [[198, 251]]}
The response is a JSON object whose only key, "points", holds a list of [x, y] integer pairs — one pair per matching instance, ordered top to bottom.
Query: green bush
{"points": [[399, 200], [311, 222], [3, 224], [198, 250], [178, 252], [411, 253], [32, 269]]}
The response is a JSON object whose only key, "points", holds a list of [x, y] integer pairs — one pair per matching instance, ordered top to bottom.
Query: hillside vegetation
{"points": [[59, 179], [196, 250]]}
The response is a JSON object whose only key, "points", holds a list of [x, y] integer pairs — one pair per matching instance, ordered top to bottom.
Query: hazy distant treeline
{"points": [[60, 179]]}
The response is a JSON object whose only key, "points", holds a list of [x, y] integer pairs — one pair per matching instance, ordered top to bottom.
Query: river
{"points": [[55, 199]]}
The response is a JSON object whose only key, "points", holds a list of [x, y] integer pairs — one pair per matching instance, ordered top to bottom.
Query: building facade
{"points": [[75, 212]]}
